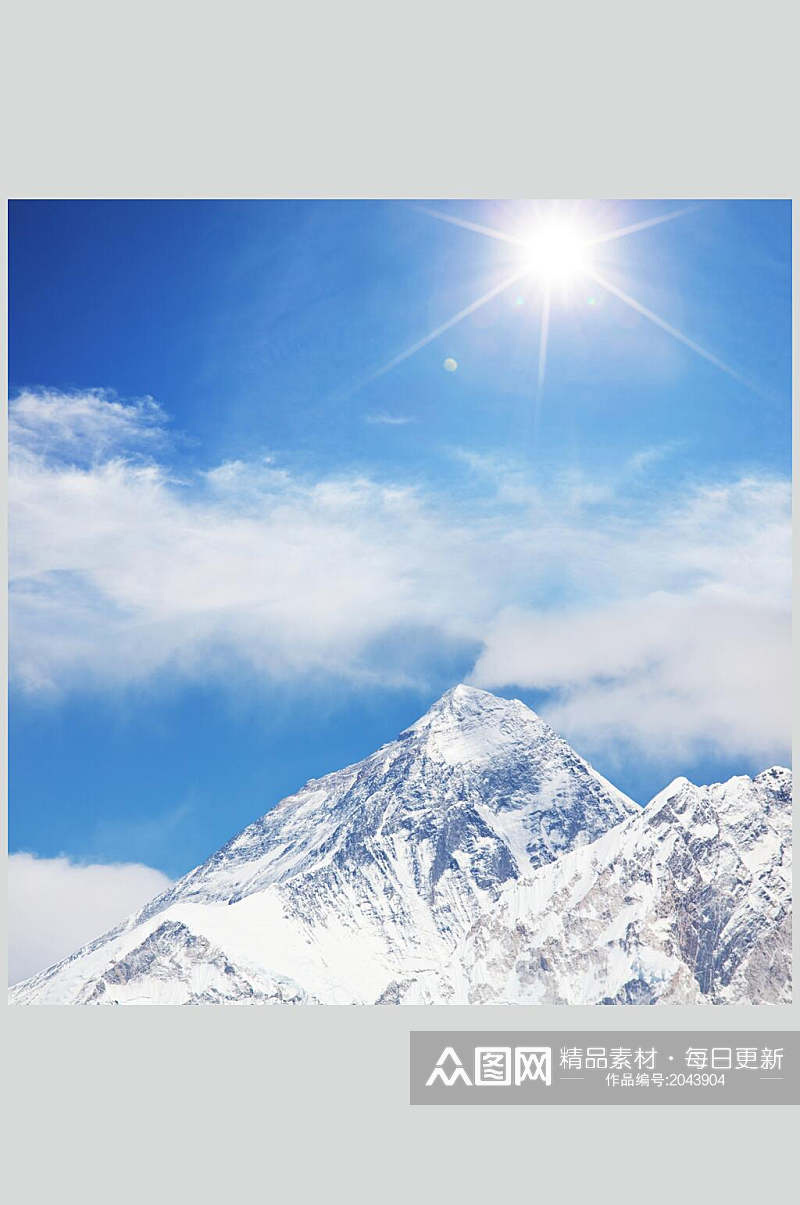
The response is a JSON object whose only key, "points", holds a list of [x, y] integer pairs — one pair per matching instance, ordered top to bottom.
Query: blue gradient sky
{"points": [[256, 327]]}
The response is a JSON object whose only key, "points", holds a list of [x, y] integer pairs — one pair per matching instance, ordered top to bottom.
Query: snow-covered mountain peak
{"points": [[463, 696], [467, 706], [471, 725], [478, 786], [680, 788], [725, 804], [475, 858], [373, 872], [688, 902]]}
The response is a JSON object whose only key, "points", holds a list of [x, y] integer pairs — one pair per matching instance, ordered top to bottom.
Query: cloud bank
{"points": [[661, 621], [56, 906]]}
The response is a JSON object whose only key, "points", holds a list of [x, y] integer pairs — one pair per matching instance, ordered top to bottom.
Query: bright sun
{"points": [[558, 252], [555, 253]]}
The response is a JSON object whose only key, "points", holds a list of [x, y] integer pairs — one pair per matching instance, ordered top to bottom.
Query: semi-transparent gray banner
{"points": [[659, 1067]]}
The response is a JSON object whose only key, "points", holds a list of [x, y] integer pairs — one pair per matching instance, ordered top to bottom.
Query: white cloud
{"points": [[388, 420], [83, 425], [642, 460], [666, 626], [693, 649], [669, 673], [56, 906]]}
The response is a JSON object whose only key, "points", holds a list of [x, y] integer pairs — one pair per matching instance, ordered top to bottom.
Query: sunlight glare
{"points": [[558, 252]]}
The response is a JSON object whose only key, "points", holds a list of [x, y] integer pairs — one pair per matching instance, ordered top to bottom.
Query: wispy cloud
{"points": [[388, 420], [84, 426], [645, 458], [659, 623]]}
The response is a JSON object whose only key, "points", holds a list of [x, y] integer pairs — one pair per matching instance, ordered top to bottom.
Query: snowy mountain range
{"points": [[475, 859]]}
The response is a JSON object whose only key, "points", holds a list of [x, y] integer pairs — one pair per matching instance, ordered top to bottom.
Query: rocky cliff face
{"points": [[477, 857]]}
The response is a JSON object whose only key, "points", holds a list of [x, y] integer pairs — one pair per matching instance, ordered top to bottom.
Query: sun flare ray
{"points": [[488, 231], [623, 231], [557, 251], [446, 326], [670, 330], [544, 332]]}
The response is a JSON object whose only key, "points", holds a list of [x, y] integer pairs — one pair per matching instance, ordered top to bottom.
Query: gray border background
{"points": [[413, 100]]}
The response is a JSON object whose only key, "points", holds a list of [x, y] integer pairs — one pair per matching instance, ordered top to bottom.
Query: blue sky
{"points": [[241, 559]]}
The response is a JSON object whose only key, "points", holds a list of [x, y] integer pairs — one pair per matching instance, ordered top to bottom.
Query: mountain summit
{"points": [[408, 878]]}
